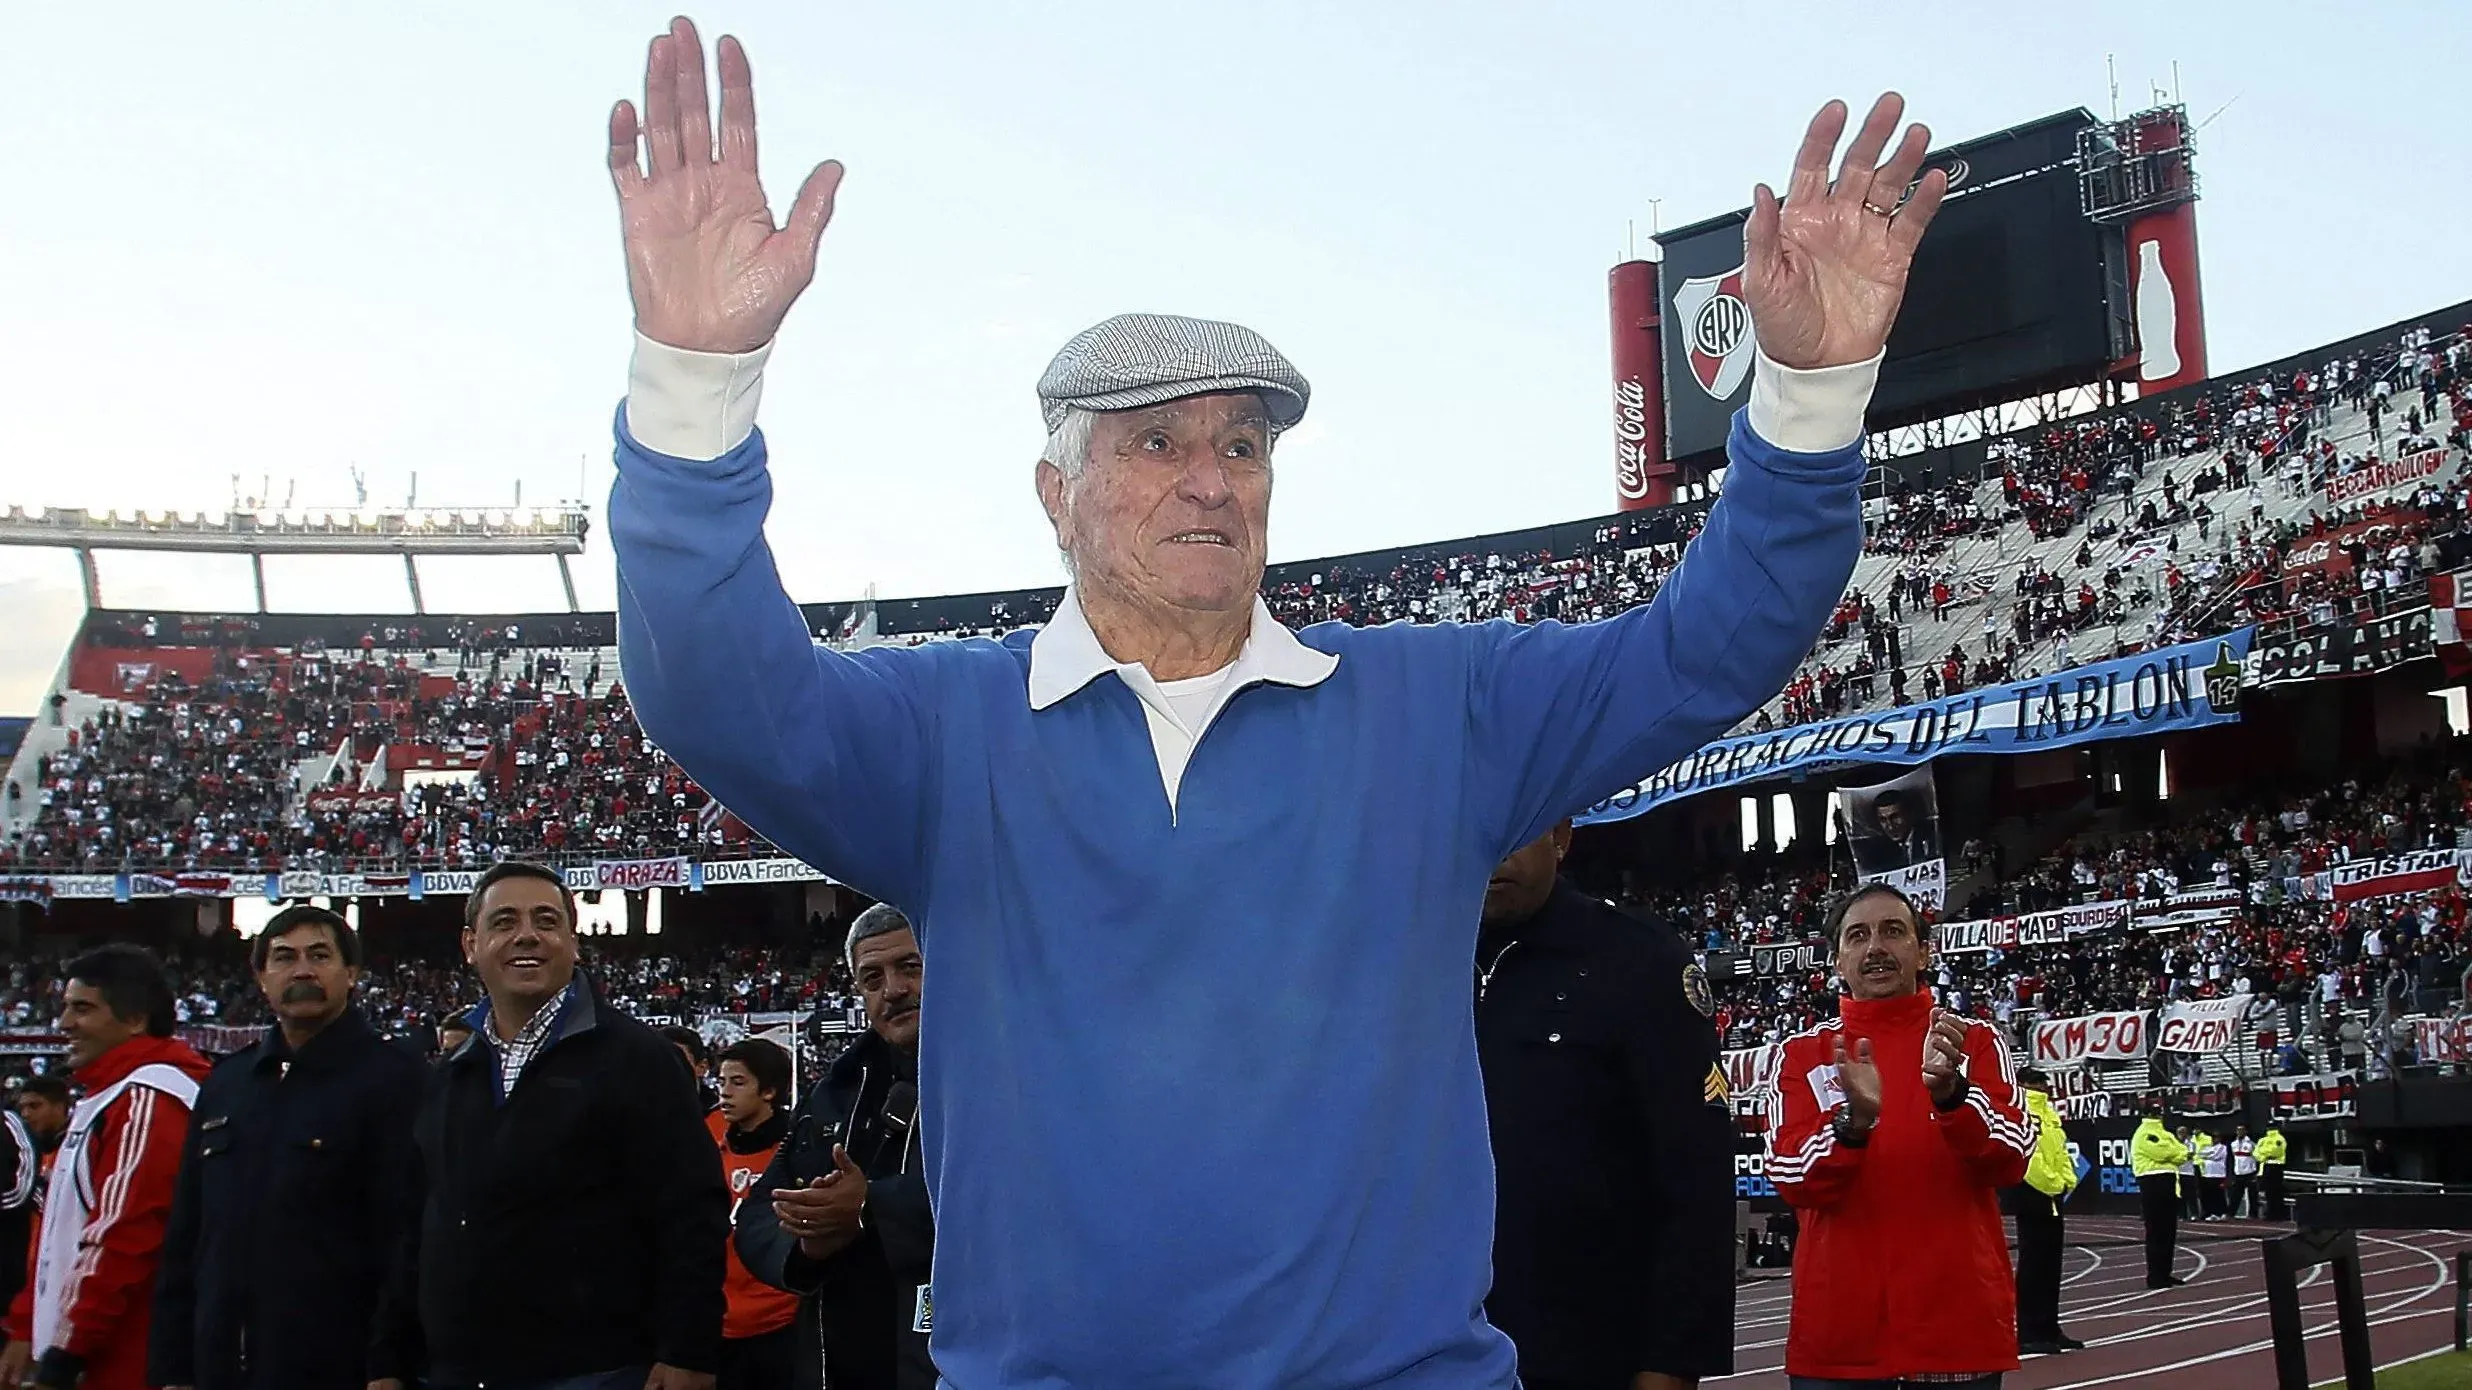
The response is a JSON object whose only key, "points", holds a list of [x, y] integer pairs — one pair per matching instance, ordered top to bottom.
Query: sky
{"points": [[288, 241]]}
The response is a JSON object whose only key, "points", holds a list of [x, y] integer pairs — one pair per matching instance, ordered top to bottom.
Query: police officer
{"points": [[1613, 1139], [2272, 1151], [2155, 1158], [2050, 1178], [291, 1197]]}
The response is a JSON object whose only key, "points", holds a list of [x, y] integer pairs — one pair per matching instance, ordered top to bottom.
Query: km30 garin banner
{"points": [[2183, 687]]}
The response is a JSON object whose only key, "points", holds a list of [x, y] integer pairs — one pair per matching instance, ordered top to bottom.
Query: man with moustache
{"points": [[1892, 1128], [1613, 1139], [289, 1206], [570, 1208], [841, 1217], [82, 1318]]}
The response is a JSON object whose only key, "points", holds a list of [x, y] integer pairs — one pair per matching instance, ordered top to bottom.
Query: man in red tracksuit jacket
{"points": [[1892, 1129], [91, 1266]]}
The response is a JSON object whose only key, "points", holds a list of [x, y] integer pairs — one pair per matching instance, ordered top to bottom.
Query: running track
{"points": [[2209, 1334]]}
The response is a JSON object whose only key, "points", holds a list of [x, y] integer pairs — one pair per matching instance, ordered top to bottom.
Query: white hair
{"points": [[1068, 444], [1068, 449]]}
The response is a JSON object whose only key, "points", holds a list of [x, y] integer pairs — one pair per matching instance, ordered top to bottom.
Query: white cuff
{"points": [[693, 405], [1817, 411]]}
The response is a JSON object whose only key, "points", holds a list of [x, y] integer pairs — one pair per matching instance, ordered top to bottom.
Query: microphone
{"points": [[901, 1105]]}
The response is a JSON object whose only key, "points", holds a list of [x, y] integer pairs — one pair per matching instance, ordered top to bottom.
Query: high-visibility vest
{"points": [[2153, 1150]]}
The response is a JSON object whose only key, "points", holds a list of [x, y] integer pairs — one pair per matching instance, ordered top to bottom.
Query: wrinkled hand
{"points": [[707, 268], [1823, 275], [1944, 1055], [1860, 1079], [824, 1214], [16, 1361], [672, 1378]]}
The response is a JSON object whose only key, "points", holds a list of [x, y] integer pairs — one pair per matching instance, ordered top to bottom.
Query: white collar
{"points": [[1066, 655]]}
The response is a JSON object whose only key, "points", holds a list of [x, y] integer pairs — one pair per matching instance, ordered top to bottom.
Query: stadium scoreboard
{"points": [[2015, 290]]}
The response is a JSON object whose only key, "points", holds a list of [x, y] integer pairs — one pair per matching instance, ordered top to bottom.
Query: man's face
{"points": [[1173, 507], [1893, 822], [1521, 884], [523, 947], [1880, 951], [888, 970], [305, 980], [92, 1027], [743, 1103], [43, 1115]]}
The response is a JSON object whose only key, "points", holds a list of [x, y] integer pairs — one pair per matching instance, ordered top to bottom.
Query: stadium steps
{"points": [[1995, 557], [43, 739]]}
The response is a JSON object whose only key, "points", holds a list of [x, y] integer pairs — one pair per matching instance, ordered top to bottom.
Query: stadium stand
{"points": [[195, 742], [288, 742], [2312, 963]]}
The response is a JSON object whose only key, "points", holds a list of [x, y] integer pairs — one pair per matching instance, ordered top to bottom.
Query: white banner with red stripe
{"points": [[2405, 475], [2421, 871], [2030, 929], [2201, 1025], [2105, 1037], [2442, 1039]]}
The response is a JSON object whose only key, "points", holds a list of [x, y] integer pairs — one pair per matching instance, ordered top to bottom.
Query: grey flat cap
{"points": [[1134, 360]]}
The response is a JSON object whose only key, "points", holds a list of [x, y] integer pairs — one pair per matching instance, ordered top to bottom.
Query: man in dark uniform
{"points": [[1613, 1139], [290, 1205]]}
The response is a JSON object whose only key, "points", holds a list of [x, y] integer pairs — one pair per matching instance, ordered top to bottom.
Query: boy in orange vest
{"points": [[757, 1339]]}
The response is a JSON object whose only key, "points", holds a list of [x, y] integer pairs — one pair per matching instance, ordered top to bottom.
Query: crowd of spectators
{"points": [[2174, 537], [514, 753], [537, 754], [2333, 974]]}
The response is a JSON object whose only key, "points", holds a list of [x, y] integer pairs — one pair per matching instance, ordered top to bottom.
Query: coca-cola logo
{"points": [[1630, 409], [1630, 432], [2314, 553]]}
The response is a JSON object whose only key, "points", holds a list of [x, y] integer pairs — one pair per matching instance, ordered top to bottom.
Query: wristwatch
{"points": [[1849, 1134]]}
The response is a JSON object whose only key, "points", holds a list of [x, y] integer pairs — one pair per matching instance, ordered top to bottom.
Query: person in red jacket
{"points": [[1892, 1129], [81, 1319]]}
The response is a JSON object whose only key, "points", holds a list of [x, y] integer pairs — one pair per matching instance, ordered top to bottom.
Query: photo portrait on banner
{"points": [[1892, 829]]}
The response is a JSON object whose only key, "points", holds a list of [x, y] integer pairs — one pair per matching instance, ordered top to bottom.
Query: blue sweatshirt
{"points": [[1200, 1090]]}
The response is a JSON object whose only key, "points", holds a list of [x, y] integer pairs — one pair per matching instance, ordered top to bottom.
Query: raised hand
{"points": [[708, 269], [1825, 271], [1944, 1056], [1860, 1079]]}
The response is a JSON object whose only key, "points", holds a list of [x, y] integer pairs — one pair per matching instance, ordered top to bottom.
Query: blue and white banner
{"points": [[2183, 687]]}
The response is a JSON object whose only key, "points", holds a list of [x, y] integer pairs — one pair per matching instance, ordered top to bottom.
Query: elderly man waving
{"points": [[1200, 1095]]}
